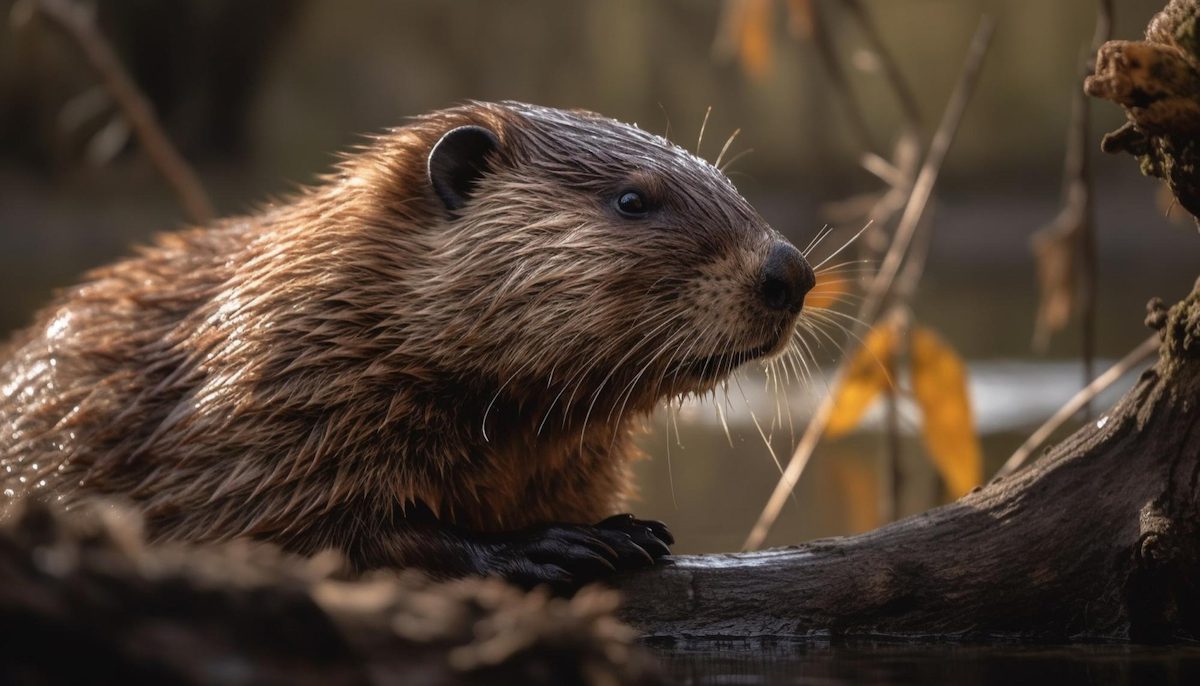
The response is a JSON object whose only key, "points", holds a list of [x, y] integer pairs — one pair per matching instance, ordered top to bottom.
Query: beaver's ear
{"points": [[457, 162]]}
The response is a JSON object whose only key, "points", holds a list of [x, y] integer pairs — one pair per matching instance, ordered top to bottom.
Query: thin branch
{"points": [[78, 24], [837, 78], [908, 103], [901, 171], [1090, 260], [881, 285], [1136, 357], [893, 448]]}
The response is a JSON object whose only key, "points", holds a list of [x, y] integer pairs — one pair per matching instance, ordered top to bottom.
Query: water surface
{"points": [[901, 664]]}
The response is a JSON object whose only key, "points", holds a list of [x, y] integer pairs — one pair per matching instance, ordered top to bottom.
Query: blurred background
{"points": [[260, 95]]}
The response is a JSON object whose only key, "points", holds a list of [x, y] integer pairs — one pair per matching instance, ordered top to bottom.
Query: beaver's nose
{"points": [[785, 278]]}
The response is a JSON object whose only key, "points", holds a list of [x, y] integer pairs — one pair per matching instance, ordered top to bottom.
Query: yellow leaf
{"points": [[800, 18], [745, 32], [754, 46], [1056, 248], [827, 292], [867, 375], [939, 380], [858, 492]]}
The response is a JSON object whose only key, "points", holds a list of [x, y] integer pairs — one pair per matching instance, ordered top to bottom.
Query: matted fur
{"points": [[308, 374]]}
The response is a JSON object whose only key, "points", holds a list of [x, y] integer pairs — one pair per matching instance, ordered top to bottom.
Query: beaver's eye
{"points": [[632, 204]]}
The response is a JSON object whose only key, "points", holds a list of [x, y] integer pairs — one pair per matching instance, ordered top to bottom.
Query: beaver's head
{"points": [[591, 260]]}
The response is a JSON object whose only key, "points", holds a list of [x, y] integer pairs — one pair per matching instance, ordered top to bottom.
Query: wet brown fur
{"points": [[316, 373]]}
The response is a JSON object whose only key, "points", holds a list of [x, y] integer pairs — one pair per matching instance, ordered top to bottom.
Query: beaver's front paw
{"points": [[638, 541], [567, 556]]}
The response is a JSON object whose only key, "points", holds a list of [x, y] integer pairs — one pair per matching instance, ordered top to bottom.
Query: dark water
{"points": [[890, 664]]}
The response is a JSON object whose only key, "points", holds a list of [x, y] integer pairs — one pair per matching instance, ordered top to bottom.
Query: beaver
{"points": [[437, 356]]}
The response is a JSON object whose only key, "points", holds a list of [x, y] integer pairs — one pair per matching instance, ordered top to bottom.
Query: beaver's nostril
{"points": [[786, 278], [775, 292]]}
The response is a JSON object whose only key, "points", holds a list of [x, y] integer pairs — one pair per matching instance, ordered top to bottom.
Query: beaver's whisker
{"points": [[703, 125], [725, 148], [729, 163], [816, 240], [845, 245], [861, 264], [839, 281], [847, 299], [825, 313], [818, 320], [646, 338], [804, 342], [695, 343], [668, 344], [863, 345], [676, 356], [795, 358], [789, 364], [725, 365], [614, 368], [783, 370], [628, 391], [492, 402], [787, 403], [778, 404], [724, 420], [675, 423], [762, 434], [670, 472]]}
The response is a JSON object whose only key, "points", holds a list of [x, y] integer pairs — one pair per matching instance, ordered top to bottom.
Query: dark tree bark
{"points": [[1100, 539]]}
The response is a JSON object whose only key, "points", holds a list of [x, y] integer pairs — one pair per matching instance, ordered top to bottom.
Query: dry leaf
{"points": [[800, 18], [746, 32], [755, 46], [1056, 248], [868, 374], [939, 380], [858, 491]]}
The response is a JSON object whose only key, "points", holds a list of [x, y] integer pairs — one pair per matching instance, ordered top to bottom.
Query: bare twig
{"points": [[78, 24], [837, 78], [908, 104], [900, 172], [899, 175], [1066, 248], [1090, 261], [881, 285], [899, 317], [1136, 357]]}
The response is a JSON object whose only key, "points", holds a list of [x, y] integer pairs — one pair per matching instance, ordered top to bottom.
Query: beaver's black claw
{"points": [[648, 535], [561, 556], [567, 556]]}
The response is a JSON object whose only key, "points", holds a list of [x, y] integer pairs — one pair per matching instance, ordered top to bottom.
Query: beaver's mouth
{"points": [[715, 366]]}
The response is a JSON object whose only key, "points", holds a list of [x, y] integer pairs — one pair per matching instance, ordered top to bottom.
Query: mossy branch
{"points": [[1157, 82]]}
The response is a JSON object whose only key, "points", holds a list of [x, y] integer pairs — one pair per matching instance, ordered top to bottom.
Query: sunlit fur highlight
{"points": [[308, 373]]}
